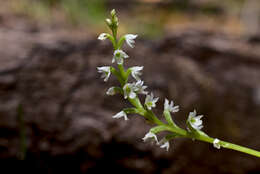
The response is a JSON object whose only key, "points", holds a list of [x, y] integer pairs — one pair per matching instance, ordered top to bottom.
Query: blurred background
{"points": [[56, 118]]}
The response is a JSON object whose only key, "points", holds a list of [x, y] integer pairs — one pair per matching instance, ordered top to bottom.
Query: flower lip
{"points": [[130, 39]]}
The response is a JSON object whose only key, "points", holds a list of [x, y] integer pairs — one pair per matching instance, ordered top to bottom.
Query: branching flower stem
{"points": [[194, 122]]}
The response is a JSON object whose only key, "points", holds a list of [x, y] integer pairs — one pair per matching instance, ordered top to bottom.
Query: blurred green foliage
{"points": [[80, 10], [76, 11]]}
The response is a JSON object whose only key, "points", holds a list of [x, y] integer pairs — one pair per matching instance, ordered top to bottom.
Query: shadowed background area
{"points": [[56, 118]]}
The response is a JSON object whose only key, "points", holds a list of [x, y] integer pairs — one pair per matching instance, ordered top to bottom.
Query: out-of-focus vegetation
{"points": [[74, 11], [147, 17]]}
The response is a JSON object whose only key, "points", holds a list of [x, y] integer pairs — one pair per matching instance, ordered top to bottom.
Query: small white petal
{"points": [[102, 36], [130, 39], [140, 88], [132, 95], [120, 115], [150, 135], [216, 143], [166, 145]]}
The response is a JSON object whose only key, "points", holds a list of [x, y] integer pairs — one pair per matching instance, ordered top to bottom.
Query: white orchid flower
{"points": [[130, 39], [119, 55], [105, 70], [136, 72], [140, 88], [129, 90], [150, 101], [170, 107], [195, 121]]}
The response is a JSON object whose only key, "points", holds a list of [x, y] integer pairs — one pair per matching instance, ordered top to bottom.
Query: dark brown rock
{"points": [[67, 115]]}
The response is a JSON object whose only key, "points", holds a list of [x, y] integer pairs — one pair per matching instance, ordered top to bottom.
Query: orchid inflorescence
{"points": [[131, 91]]}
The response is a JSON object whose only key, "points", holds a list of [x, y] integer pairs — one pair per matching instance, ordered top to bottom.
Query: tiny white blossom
{"points": [[102, 36], [130, 39], [119, 55], [105, 70], [136, 72], [140, 88], [129, 90], [111, 91], [150, 101], [170, 107], [120, 115], [195, 121], [150, 135], [216, 143], [165, 144]]}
